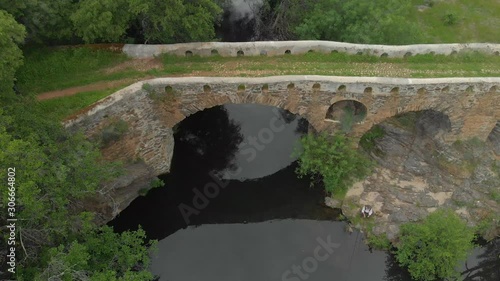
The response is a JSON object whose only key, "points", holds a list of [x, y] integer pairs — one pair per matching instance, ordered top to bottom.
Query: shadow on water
{"points": [[233, 209]]}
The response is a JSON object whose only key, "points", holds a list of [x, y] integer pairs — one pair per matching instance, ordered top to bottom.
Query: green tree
{"points": [[102, 20], [175, 21], [359, 21], [46, 22], [11, 35], [334, 158], [55, 171], [433, 248], [100, 255]]}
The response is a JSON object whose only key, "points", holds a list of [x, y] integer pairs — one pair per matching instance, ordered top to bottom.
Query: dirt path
{"points": [[136, 64], [87, 88]]}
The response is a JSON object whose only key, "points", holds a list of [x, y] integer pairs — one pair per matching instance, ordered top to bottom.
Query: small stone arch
{"points": [[214, 52], [288, 52], [189, 53], [240, 53], [408, 54], [384, 55], [316, 87], [206, 88], [368, 90], [340, 109]]}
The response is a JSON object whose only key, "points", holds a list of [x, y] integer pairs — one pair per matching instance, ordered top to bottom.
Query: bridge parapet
{"points": [[275, 48]]}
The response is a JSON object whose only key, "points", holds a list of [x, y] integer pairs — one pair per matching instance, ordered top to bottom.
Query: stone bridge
{"points": [[152, 108]]}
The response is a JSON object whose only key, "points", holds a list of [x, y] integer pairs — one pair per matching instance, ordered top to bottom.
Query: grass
{"points": [[459, 21], [60, 68], [52, 69], [60, 108]]}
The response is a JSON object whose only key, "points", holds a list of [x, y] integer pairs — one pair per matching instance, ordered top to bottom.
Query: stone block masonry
{"points": [[152, 108]]}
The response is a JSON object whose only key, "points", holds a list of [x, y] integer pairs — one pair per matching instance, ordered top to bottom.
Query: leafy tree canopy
{"points": [[359, 21], [11, 35], [334, 158], [56, 170], [433, 248]]}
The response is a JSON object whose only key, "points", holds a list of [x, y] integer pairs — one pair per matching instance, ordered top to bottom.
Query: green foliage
{"points": [[450, 19], [102, 20], [45, 21], [175, 21], [359, 21], [11, 35], [47, 69], [61, 108], [348, 119], [113, 132], [368, 140], [334, 159], [56, 171], [156, 182], [379, 242], [433, 248], [100, 254]]}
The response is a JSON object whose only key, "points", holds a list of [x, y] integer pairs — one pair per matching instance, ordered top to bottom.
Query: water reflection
{"points": [[268, 140], [258, 229], [273, 250]]}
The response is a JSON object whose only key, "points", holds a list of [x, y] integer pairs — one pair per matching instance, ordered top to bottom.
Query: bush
{"points": [[113, 132], [367, 141], [334, 159], [433, 248]]}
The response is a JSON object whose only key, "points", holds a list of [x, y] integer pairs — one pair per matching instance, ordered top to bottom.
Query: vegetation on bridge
{"points": [[57, 170]]}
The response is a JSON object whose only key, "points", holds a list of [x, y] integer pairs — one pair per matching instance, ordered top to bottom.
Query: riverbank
{"points": [[418, 173]]}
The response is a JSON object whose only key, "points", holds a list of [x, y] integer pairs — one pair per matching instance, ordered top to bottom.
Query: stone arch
{"points": [[189, 53], [339, 109], [151, 112]]}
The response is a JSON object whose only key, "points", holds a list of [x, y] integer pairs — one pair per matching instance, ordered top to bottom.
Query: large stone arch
{"points": [[151, 109]]}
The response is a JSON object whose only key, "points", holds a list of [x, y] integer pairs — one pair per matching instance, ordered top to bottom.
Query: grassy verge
{"points": [[459, 21], [462, 65], [53, 69], [60, 108]]}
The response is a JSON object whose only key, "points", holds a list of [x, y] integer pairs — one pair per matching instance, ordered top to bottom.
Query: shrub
{"points": [[113, 132], [367, 141], [334, 159], [433, 248]]}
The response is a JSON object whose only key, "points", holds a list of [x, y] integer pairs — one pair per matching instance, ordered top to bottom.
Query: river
{"points": [[232, 209]]}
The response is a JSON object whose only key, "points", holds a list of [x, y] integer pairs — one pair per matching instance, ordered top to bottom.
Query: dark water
{"points": [[233, 209]]}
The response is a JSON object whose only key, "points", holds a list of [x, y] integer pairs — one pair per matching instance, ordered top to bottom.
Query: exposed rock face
{"points": [[138, 120], [419, 172]]}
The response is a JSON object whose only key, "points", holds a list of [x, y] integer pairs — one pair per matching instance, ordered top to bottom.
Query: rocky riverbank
{"points": [[418, 172]]}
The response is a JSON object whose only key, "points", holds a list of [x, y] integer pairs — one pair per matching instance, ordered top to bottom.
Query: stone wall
{"points": [[274, 48], [152, 108]]}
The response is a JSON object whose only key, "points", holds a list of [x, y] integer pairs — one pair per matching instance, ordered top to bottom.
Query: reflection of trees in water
{"points": [[286, 115], [302, 126], [208, 140], [489, 266], [393, 272]]}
